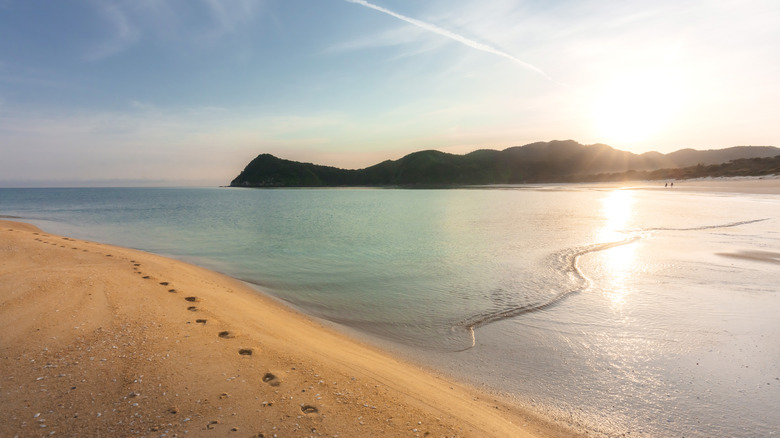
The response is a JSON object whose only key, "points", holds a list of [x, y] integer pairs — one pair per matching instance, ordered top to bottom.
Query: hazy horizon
{"points": [[187, 93], [162, 183]]}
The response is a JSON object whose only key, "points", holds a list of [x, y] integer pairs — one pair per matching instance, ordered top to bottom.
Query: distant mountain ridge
{"points": [[541, 162]]}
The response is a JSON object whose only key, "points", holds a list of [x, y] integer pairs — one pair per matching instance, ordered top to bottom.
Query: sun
{"points": [[636, 107]]}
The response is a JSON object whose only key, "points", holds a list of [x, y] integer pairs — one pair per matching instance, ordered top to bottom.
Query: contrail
{"points": [[453, 36]]}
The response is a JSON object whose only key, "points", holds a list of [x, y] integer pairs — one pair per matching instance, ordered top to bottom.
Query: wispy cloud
{"points": [[229, 15], [127, 22], [124, 34], [452, 35], [394, 37]]}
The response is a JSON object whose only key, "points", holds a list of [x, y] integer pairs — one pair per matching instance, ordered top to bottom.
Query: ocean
{"points": [[649, 311]]}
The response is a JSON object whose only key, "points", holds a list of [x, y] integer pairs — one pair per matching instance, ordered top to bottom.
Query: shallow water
{"points": [[645, 311]]}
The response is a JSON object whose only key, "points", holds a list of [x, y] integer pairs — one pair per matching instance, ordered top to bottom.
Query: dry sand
{"points": [[99, 340]]}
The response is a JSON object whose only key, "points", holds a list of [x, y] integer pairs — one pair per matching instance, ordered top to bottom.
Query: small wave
{"points": [[710, 227], [567, 262]]}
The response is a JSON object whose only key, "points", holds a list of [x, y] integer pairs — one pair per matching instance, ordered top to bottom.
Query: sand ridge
{"points": [[99, 340]]}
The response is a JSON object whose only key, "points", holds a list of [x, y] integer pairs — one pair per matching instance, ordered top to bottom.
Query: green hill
{"points": [[542, 162]]}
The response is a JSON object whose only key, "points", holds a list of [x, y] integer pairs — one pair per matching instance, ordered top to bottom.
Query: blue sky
{"points": [[147, 92]]}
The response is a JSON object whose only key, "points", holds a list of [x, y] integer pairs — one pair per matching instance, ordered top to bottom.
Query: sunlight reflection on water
{"points": [[617, 210], [618, 262]]}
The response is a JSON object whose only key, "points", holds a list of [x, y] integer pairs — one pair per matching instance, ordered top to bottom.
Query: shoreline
{"points": [[755, 185], [104, 340]]}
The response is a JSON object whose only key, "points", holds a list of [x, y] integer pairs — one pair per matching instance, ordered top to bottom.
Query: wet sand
{"points": [[769, 184], [757, 185], [758, 256], [99, 340]]}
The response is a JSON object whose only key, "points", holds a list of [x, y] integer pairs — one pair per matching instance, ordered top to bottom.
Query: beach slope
{"points": [[98, 340]]}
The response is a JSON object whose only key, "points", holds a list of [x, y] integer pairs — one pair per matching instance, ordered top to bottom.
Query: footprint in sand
{"points": [[146, 277], [164, 283], [173, 291], [192, 299], [192, 308], [201, 321], [226, 335], [245, 351], [271, 379], [309, 409]]}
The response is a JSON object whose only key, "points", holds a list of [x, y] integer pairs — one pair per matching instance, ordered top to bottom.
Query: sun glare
{"points": [[634, 108], [617, 211], [619, 262]]}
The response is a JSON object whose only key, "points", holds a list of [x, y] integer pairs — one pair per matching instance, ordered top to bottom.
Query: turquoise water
{"points": [[617, 310]]}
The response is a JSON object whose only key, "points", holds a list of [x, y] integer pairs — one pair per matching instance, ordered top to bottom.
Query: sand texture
{"points": [[99, 340]]}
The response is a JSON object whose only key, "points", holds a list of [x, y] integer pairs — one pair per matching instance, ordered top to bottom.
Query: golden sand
{"points": [[99, 340]]}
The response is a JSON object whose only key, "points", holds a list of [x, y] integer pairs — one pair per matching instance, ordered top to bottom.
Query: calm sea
{"points": [[655, 312]]}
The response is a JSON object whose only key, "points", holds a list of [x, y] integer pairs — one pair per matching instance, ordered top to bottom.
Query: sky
{"points": [[187, 92]]}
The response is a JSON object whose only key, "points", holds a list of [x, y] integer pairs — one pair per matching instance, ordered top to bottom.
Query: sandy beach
{"points": [[768, 184], [99, 340]]}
